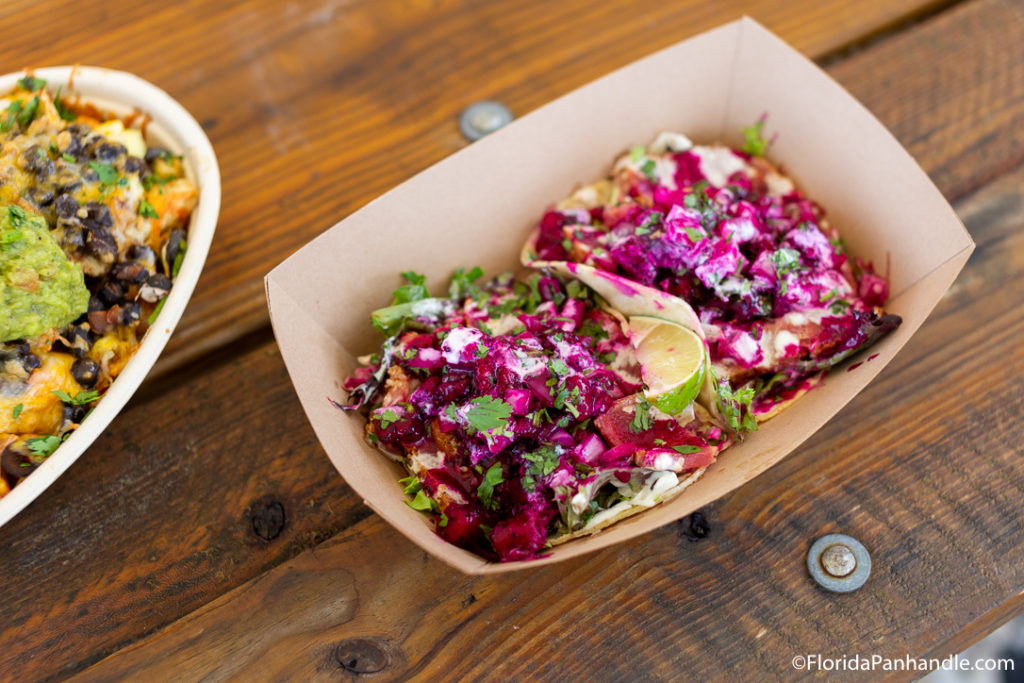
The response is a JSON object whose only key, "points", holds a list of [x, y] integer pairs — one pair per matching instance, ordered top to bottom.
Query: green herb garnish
{"points": [[755, 143], [146, 210], [80, 399], [486, 413], [641, 417], [485, 491]]}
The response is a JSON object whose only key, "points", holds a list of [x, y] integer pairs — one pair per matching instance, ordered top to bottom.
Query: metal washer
{"points": [[483, 118], [845, 584]]}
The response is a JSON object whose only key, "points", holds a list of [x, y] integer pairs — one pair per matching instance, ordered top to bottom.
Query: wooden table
{"points": [[207, 535]]}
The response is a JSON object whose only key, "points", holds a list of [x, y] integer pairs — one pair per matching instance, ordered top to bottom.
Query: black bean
{"points": [[74, 146], [109, 152], [154, 153], [136, 165], [89, 174], [67, 179], [39, 197], [66, 206], [99, 214], [101, 244], [172, 248], [143, 254], [129, 271], [156, 287], [111, 293], [95, 304], [131, 313], [78, 339], [30, 362], [85, 371], [74, 414], [16, 464]]}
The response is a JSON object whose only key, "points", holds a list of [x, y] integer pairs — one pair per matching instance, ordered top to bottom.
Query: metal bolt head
{"points": [[483, 118], [838, 560], [839, 563]]}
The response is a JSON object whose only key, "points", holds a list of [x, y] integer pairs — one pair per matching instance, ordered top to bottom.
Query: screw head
{"points": [[482, 118], [838, 560], [839, 563]]}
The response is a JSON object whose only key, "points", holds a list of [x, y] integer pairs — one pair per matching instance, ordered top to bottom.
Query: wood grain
{"points": [[313, 111], [920, 467], [213, 477]]}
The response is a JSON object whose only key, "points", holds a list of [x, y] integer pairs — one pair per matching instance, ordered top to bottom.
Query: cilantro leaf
{"points": [[31, 83], [13, 109], [62, 110], [28, 113], [755, 143], [650, 169], [108, 175], [146, 210], [651, 223], [785, 260], [464, 285], [414, 291], [80, 399], [735, 407], [17, 410], [486, 413], [387, 416], [642, 417], [43, 446], [686, 450], [542, 462], [485, 491], [421, 502]]}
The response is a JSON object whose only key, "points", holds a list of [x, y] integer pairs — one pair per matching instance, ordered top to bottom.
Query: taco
{"points": [[767, 277], [522, 412]]}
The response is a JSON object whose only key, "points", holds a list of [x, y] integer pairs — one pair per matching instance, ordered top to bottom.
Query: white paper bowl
{"points": [[171, 127]]}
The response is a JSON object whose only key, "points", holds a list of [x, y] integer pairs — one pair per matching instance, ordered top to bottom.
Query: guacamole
{"points": [[40, 289]]}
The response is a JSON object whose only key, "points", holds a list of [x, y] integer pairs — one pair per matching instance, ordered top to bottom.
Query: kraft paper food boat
{"points": [[169, 126], [478, 207]]}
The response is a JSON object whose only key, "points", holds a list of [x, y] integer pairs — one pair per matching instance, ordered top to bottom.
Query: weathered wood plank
{"points": [[313, 112], [923, 467], [135, 562]]}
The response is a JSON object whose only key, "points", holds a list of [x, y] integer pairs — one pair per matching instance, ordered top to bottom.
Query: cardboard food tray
{"points": [[478, 207]]}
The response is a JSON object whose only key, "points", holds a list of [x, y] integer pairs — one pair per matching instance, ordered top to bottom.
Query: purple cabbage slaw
{"points": [[721, 228], [516, 409]]}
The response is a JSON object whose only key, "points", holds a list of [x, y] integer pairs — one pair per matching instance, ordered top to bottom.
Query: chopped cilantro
{"points": [[31, 83], [12, 111], [62, 111], [28, 113], [755, 143], [637, 153], [68, 158], [650, 169], [108, 175], [146, 210], [651, 223], [694, 234], [567, 244], [785, 260], [463, 283], [416, 290], [575, 290], [839, 306], [480, 351], [608, 357], [559, 367], [80, 399], [735, 406], [17, 410], [486, 413], [387, 417], [642, 417], [44, 446], [686, 450], [543, 461], [410, 484], [485, 491], [421, 502], [443, 521]]}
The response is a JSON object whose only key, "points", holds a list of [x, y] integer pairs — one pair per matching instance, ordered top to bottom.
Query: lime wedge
{"points": [[673, 361]]}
